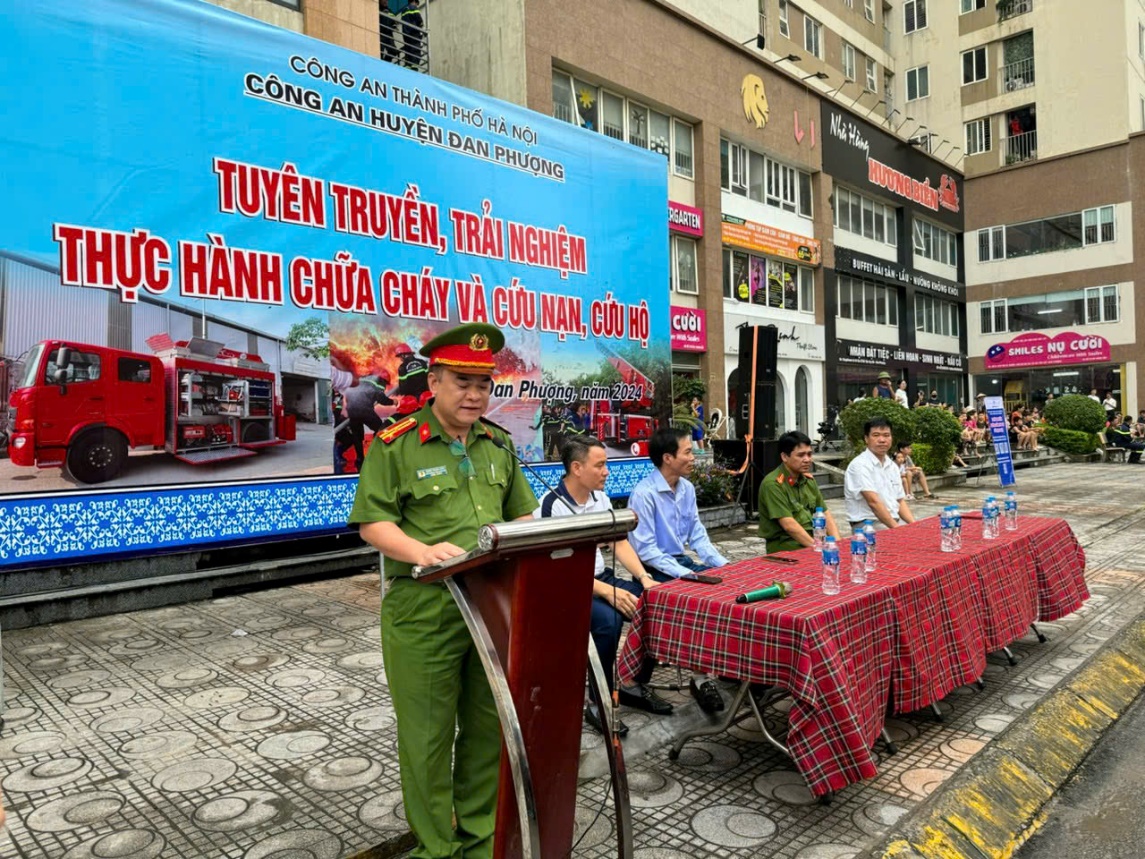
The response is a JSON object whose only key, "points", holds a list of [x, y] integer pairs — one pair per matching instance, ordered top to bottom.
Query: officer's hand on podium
{"points": [[439, 552], [622, 601]]}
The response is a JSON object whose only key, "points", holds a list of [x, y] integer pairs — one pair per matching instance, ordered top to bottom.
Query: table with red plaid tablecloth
{"points": [[920, 627]]}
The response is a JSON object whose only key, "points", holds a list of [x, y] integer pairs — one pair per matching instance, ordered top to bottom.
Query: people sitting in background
{"points": [[933, 398], [920, 400], [1027, 435], [1122, 436], [959, 461], [911, 473], [872, 487], [788, 497], [668, 523], [613, 599]]}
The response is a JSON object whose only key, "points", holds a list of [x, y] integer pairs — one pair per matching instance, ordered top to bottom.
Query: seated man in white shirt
{"points": [[873, 487], [613, 599]]}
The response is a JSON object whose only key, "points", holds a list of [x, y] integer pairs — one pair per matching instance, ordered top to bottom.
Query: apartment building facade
{"points": [[1048, 130]]}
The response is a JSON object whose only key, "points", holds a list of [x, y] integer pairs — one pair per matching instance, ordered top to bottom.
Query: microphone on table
{"points": [[777, 590]]}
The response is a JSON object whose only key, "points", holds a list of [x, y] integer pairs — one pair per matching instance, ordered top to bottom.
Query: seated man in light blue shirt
{"points": [[669, 522]]}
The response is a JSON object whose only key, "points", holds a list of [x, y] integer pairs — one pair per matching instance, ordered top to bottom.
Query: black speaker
{"points": [[755, 399], [732, 455]]}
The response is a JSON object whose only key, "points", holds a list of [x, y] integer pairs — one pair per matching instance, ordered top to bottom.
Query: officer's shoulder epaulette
{"points": [[489, 423], [396, 430]]}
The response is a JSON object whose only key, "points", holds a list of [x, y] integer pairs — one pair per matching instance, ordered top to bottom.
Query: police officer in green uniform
{"points": [[428, 483], [789, 495]]}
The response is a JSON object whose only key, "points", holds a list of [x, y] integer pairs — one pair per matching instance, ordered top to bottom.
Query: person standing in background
{"points": [[900, 395]]}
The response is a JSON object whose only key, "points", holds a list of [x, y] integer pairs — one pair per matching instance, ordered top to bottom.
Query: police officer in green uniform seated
{"points": [[428, 484], [788, 497]]}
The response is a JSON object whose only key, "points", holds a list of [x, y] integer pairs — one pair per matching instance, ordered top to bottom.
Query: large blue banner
{"points": [[222, 245]]}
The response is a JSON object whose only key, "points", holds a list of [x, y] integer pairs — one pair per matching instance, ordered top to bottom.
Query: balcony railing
{"points": [[1011, 8], [404, 40], [1018, 75], [562, 112], [1022, 147]]}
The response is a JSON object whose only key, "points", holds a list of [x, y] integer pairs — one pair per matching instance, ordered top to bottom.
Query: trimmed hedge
{"points": [[1075, 412], [852, 418], [1071, 441], [932, 460]]}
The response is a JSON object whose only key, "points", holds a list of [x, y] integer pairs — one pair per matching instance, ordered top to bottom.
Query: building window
{"points": [[972, 5], [869, 10], [914, 15], [784, 26], [812, 36], [1141, 40], [848, 61], [974, 65], [872, 81], [917, 83], [562, 97], [581, 103], [612, 115], [638, 125], [660, 133], [978, 136], [922, 141], [682, 148], [750, 174], [804, 194], [864, 217], [1098, 225], [1049, 235], [935, 243], [991, 244], [684, 278], [767, 282], [864, 301], [1101, 304], [935, 316], [993, 316]]}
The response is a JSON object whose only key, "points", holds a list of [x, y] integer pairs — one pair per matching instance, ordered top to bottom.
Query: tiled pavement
{"points": [[258, 726]]}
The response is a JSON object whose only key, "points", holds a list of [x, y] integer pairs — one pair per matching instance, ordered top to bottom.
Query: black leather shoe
{"points": [[707, 695], [645, 699], [594, 721]]}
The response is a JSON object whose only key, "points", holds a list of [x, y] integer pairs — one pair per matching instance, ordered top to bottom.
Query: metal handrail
{"points": [[1018, 75]]}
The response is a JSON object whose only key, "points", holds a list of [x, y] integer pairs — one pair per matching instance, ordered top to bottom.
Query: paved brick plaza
{"points": [[257, 724]]}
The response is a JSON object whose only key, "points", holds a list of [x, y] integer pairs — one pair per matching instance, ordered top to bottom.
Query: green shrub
{"points": [[1075, 412], [852, 418], [1071, 441], [932, 460], [714, 485]]}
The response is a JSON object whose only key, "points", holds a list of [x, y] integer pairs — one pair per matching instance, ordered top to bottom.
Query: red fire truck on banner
{"points": [[85, 406], [613, 420]]}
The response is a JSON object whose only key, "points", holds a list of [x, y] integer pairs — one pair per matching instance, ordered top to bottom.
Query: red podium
{"points": [[526, 595]]}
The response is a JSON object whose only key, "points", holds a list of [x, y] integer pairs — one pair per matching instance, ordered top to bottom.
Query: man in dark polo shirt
{"points": [[788, 497]]}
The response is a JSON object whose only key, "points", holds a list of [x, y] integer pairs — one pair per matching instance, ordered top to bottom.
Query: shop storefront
{"points": [[769, 279], [892, 286], [894, 300], [689, 323], [859, 365], [1030, 368]]}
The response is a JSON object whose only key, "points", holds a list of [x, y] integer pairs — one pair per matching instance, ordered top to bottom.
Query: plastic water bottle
{"points": [[1011, 511], [989, 523], [819, 528], [956, 528], [946, 529], [869, 535], [858, 558], [830, 566]]}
